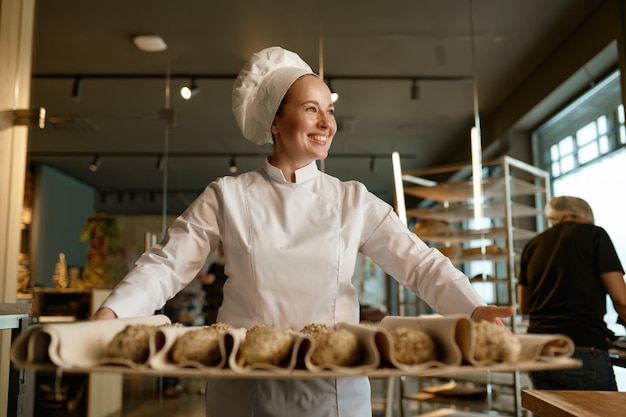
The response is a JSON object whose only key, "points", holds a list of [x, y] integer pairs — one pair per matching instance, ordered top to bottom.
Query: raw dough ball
{"points": [[316, 329], [132, 343], [496, 343], [266, 344], [200, 345], [413, 346], [336, 347]]}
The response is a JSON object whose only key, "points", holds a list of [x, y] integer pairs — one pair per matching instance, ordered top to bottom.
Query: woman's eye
{"points": [[311, 109]]}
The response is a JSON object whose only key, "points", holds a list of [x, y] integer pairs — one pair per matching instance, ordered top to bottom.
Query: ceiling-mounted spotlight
{"points": [[150, 43], [77, 88], [190, 90], [415, 90], [333, 95], [29, 117], [95, 164], [233, 165]]}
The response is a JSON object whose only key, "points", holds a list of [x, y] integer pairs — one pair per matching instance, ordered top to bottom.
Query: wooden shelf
{"points": [[454, 192], [461, 212], [466, 235]]}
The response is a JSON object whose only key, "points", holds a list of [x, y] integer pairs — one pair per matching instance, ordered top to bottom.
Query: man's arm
{"points": [[616, 288]]}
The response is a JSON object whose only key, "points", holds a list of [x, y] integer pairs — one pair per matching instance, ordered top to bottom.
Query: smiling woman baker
{"points": [[291, 235]]}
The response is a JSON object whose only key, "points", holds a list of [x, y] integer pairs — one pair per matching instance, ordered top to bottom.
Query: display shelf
{"points": [[455, 192], [513, 196], [462, 212], [467, 235], [463, 259], [503, 404]]}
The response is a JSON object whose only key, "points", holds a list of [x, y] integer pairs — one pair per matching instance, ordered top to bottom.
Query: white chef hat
{"points": [[260, 87], [558, 207]]}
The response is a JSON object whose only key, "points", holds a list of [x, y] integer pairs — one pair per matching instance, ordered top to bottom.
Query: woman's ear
{"points": [[274, 127]]}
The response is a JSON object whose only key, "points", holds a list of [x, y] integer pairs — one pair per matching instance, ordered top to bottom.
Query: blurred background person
{"points": [[565, 275], [213, 286]]}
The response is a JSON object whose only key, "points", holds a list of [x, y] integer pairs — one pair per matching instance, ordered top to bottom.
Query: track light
{"points": [[150, 43], [77, 89], [190, 90], [415, 90], [28, 117], [95, 164], [233, 165]]}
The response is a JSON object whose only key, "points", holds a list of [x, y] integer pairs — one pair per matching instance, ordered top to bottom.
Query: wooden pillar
{"points": [[16, 38]]}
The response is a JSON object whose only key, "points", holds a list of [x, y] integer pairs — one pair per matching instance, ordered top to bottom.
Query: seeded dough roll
{"points": [[220, 327], [316, 329], [132, 343], [496, 343], [266, 344], [200, 345], [412, 346], [336, 347]]}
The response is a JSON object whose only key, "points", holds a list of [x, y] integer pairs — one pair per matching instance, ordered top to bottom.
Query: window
{"points": [[589, 128]]}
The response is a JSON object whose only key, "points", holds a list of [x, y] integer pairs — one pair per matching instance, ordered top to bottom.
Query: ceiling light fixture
{"points": [[150, 43], [77, 89], [190, 90], [415, 90], [29, 117], [476, 136], [95, 164], [233, 165], [398, 187]]}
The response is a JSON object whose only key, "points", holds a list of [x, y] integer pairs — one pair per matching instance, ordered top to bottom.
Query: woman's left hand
{"points": [[492, 313]]}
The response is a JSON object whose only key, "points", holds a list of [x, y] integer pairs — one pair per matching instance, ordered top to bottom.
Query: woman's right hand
{"points": [[103, 313]]}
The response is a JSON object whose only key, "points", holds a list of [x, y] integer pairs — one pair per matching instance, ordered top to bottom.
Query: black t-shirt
{"points": [[562, 268], [213, 291]]}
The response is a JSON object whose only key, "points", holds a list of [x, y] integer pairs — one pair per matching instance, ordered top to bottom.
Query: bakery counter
{"points": [[574, 403]]}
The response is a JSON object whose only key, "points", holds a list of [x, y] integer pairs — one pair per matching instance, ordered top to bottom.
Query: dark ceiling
{"points": [[130, 112]]}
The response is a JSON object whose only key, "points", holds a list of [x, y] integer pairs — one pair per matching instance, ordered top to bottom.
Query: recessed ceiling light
{"points": [[150, 43]]}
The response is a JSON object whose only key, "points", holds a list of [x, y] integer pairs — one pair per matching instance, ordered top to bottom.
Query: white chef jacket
{"points": [[290, 251]]}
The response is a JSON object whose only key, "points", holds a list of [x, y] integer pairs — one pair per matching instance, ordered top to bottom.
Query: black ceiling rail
{"points": [[234, 76], [81, 154]]}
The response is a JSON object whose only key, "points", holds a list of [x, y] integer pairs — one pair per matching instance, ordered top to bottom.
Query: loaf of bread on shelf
{"points": [[429, 226], [489, 250], [453, 251], [494, 342], [132, 343], [265, 344], [199, 345], [412, 346], [336, 347]]}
